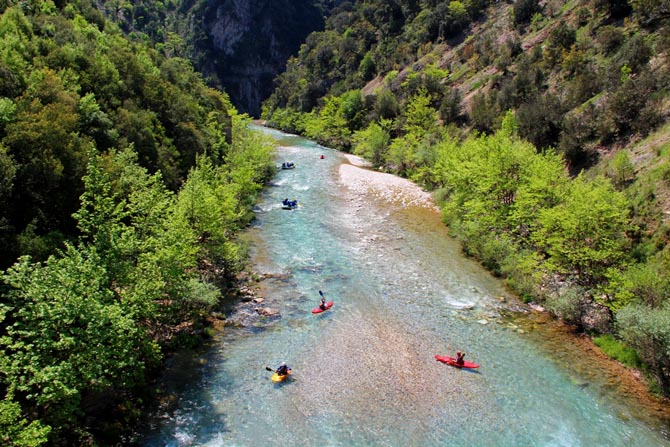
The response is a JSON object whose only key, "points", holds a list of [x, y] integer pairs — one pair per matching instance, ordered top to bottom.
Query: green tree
{"points": [[524, 11], [651, 11], [561, 38], [610, 38], [17, 47], [367, 68], [386, 104], [451, 109], [7, 112], [483, 112], [419, 117], [540, 120], [96, 123], [330, 124], [418, 129], [373, 142], [402, 153], [49, 154], [249, 163], [8, 170], [620, 170], [498, 185], [544, 186], [215, 201], [209, 204], [100, 217], [585, 234], [147, 250], [644, 283], [647, 330], [68, 336], [16, 430]]}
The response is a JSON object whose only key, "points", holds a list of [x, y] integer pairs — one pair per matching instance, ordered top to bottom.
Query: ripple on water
{"points": [[462, 305], [378, 372]]}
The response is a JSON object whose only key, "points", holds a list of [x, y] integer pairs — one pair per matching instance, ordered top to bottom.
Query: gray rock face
{"points": [[242, 45], [596, 317]]}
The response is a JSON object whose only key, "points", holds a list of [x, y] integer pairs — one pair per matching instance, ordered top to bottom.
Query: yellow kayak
{"points": [[280, 378]]}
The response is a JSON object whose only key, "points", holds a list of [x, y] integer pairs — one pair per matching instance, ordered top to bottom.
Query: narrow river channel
{"points": [[364, 372]]}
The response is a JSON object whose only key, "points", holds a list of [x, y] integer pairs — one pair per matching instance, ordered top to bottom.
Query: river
{"points": [[364, 372]]}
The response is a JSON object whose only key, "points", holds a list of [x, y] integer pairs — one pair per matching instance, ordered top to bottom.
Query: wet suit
{"points": [[283, 370]]}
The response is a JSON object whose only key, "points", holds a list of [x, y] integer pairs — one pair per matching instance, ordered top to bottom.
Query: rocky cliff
{"points": [[243, 44], [240, 46]]}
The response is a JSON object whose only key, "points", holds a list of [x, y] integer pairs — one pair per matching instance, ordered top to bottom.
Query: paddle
{"points": [[321, 293], [277, 372]]}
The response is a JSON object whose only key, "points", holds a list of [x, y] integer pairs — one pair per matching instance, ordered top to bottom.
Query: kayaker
{"points": [[323, 303], [460, 358], [283, 369]]}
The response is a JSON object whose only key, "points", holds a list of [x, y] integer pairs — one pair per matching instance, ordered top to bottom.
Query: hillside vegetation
{"points": [[542, 123], [124, 180]]}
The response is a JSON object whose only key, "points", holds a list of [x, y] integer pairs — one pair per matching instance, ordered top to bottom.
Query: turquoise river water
{"points": [[364, 372]]}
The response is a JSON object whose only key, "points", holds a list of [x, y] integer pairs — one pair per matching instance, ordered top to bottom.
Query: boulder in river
{"points": [[267, 311]]}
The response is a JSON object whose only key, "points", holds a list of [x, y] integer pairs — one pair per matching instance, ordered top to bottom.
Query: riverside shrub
{"points": [[617, 350]]}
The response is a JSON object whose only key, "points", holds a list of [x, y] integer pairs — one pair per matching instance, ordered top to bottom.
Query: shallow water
{"points": [[364, 372]]}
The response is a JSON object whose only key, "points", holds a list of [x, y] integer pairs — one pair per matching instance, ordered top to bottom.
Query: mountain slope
{"points": [[566, 67]]}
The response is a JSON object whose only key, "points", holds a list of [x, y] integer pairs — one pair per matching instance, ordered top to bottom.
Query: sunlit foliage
{"points": [[124, 180]]}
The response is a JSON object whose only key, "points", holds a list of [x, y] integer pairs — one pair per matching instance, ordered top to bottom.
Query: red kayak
{"points": [[318, 310], [452, 361]]}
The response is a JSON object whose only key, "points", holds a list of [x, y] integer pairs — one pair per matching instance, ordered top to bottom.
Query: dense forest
{"points": [[543, 123], [124, 180]]}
